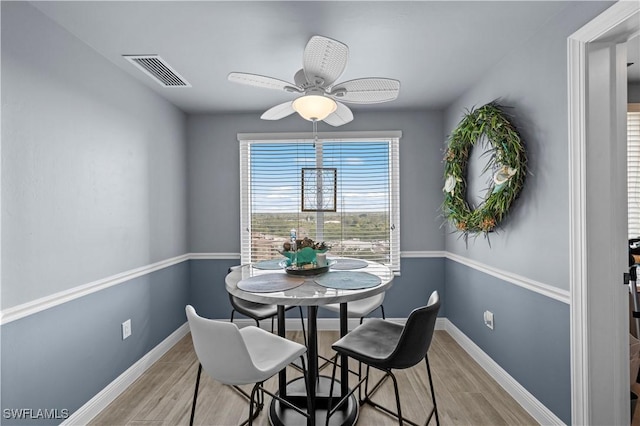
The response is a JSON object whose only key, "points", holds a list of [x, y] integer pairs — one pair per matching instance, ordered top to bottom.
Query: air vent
{"points": [[157, 68]]}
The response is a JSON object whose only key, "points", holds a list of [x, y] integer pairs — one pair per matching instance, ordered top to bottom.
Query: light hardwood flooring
{"points": [[465, 394]]}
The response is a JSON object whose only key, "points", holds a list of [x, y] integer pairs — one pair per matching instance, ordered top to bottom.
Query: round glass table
{"points": [[340, 285]]}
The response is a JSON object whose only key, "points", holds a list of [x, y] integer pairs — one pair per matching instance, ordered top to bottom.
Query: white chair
{"points": [[359, 308], [259, 311], [236, 357]]}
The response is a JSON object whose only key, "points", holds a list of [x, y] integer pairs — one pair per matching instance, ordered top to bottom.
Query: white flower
{"points": [[503, 174], [449, 184]]}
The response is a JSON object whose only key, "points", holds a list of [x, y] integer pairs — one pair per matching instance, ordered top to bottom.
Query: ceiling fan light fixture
{"points": [[314, 107]]}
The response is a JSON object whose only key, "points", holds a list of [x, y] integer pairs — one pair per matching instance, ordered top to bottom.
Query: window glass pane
{"points": [[275, 194], [365, 223], [360, 227]]}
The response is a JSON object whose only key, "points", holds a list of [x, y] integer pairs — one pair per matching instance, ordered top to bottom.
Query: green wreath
{"points": [[507, 162]]}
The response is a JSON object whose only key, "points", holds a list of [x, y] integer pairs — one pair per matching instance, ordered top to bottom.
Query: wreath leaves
{"points": [[507, 161]]}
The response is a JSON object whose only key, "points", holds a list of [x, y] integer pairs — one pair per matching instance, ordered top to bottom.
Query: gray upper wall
{"points": [[633, 93], [93, 164], [214, 174], [534, 242]]}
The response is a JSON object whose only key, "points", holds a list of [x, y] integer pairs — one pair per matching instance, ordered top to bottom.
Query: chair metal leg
{"points": [[233, 311], [383, 315], [304, 334], [359, 377], [333, 379], [256, 387], [376, 387], [366, 388], [395, 389], [195, 395], [256, 397], [261, 398], [344, 398], [434, 410]]}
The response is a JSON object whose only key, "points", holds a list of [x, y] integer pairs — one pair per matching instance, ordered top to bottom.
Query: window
{"points": [[633, 169], [348, 184]]}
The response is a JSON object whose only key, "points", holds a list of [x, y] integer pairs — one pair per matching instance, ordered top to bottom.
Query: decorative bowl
{"points": [[304, 256], [306, 270]]}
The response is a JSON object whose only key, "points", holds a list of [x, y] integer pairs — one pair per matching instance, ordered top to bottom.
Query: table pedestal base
{"points": [[281, 415]]}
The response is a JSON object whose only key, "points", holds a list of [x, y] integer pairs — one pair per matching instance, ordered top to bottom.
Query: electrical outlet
{"points": [[488, 319], [126, 329]]}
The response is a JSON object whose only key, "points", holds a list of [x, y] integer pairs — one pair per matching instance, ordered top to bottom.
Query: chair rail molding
{"points": [[214, 256], [524, 282], [32, 307], [29, 308], [590, 404]]}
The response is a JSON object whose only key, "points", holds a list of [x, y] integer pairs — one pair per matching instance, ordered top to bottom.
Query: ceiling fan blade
{"points": [[324, 60], [300, 79], [262, 81], [366, 90], [279, 111], [342, 115]]}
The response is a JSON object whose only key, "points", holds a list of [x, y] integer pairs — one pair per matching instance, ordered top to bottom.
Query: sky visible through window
{"points": [[363, 174]]}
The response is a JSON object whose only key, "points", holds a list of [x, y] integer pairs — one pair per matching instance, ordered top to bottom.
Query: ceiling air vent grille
{"points": [[157, 68]]}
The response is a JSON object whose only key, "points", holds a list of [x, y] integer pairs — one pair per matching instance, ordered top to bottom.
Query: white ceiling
{"points": [[437, 49]]}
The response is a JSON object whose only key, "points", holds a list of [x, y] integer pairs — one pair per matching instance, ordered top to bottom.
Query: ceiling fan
{"points": [[324, 61]]}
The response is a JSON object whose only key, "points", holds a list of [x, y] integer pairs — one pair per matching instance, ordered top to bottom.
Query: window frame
{"points": [[392, 137], [633, 161]]}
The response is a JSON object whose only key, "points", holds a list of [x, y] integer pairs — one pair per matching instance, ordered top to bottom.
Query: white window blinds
{"points": [[633, 169], [360, 179]]}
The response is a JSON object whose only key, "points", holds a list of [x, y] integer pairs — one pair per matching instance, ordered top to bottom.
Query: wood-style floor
{"points": [[466, 395]]}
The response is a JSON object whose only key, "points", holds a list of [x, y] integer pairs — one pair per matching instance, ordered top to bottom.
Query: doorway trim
{"points": [[619, 19]]}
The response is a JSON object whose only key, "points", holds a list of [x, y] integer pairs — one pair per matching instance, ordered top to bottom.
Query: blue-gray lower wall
{"points": [[207, 291], [530, 339], [62, 357]]}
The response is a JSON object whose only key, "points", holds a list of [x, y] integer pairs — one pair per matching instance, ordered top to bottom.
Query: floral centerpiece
{"points": [[305, 252]]}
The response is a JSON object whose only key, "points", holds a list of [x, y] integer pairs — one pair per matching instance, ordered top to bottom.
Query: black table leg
{"points": [[312, 353], [344, 360], [282, 376], [295, 391]]}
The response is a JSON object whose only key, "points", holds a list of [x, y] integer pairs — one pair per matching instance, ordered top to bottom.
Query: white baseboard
{"points": [[106, 396], [534, 407]]}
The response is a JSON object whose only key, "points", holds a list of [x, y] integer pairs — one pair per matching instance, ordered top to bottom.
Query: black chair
{"points": [[356, 309], [259, 311], [389, 346]]}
